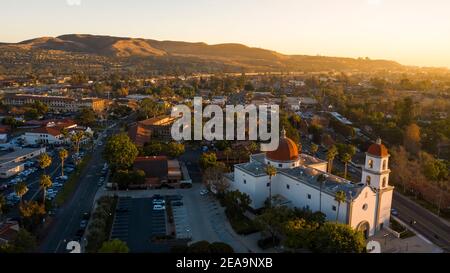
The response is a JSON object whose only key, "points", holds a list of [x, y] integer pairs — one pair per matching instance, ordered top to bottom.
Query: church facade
{"points": [[301, 181]]}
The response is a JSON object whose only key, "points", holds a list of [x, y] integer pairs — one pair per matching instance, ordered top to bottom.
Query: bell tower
{"points": [[376, 171]]}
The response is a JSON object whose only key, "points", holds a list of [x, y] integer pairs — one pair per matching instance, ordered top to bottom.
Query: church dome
{"points": [[378, 149], [287, 150]]}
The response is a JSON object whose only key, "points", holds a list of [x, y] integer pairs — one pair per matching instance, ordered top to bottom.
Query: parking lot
{"points": [[199, 217], [136, 223]]}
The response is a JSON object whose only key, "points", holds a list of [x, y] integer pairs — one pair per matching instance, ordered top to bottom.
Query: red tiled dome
{"points": [[378, 149], [287, 150]]}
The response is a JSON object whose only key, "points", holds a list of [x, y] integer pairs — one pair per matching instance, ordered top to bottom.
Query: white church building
{"points": [[302, 181]]}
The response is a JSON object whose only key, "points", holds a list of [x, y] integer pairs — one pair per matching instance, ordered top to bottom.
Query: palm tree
{"points": [[65, 134], [89, 135], [76, 140], [314, 149], [228, 152], [63, 154], [331, 154], [346, 158], [44, 161], [270, 171], [321, 179], [45, 182], [21, 189], [339, 197]]}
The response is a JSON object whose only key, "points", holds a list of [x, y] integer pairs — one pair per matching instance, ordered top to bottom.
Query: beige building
{"points": [[56, 103]]}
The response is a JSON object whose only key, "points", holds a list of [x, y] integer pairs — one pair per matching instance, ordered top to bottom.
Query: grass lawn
{"points": [[69, 187]]}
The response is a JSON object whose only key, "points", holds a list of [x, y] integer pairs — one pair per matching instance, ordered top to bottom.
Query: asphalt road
{"points": [[68, 217], [427, 224]]}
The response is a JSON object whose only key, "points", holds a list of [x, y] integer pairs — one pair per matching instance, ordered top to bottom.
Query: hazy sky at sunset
{"points": [[413, 32]]}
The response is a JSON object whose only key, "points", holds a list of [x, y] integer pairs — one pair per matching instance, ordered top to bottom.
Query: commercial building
{"points": [[56, 103], [158, 127], [20, 156]]}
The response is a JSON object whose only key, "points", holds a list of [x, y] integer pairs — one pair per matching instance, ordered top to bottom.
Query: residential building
{"points": [[159, 171]]}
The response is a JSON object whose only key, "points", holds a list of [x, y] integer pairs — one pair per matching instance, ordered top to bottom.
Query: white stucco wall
{"points": [[359, 214]]}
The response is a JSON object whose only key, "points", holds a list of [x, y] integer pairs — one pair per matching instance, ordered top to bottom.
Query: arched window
{"points": [[370, 163], [384, 165], [368, 180], [384, 182]]}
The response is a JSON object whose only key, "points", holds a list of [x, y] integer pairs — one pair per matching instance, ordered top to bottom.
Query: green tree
{"points": [[87, 117], [76, 139], [412, 139], [153, 148], [175, 149], [120, 152], [345, 153], [63, 154], [331, 154], [207, 160], [44, 161], [270, 171], [214, 179], [45, 182], [21, 189], [340, 198], [237, 202], [32, 213], [272, 220], [298, 233], [337, 238], [24, 242], [114, 246]]}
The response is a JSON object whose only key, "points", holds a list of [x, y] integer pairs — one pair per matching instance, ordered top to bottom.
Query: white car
{"points": [[203, 192], [159, 202], [159, 207]]}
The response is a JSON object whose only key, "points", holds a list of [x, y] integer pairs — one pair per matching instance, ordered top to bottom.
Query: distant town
{"points": [[90, 159]]}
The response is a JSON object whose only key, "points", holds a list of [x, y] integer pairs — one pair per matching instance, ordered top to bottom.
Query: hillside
{"points": [[171, 55]]}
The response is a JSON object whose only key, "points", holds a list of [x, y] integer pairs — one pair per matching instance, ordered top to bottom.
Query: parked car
{"points": [[203, 192], [159, 202], [177, 203], [159, 207], [394, 212], [86, 216], [83, 224]]}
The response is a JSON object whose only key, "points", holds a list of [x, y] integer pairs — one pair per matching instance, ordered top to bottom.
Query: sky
{"points": [[412, 32]]}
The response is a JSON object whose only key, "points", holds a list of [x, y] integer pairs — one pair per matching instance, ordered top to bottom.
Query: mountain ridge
{"points": [[224, 56]]}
